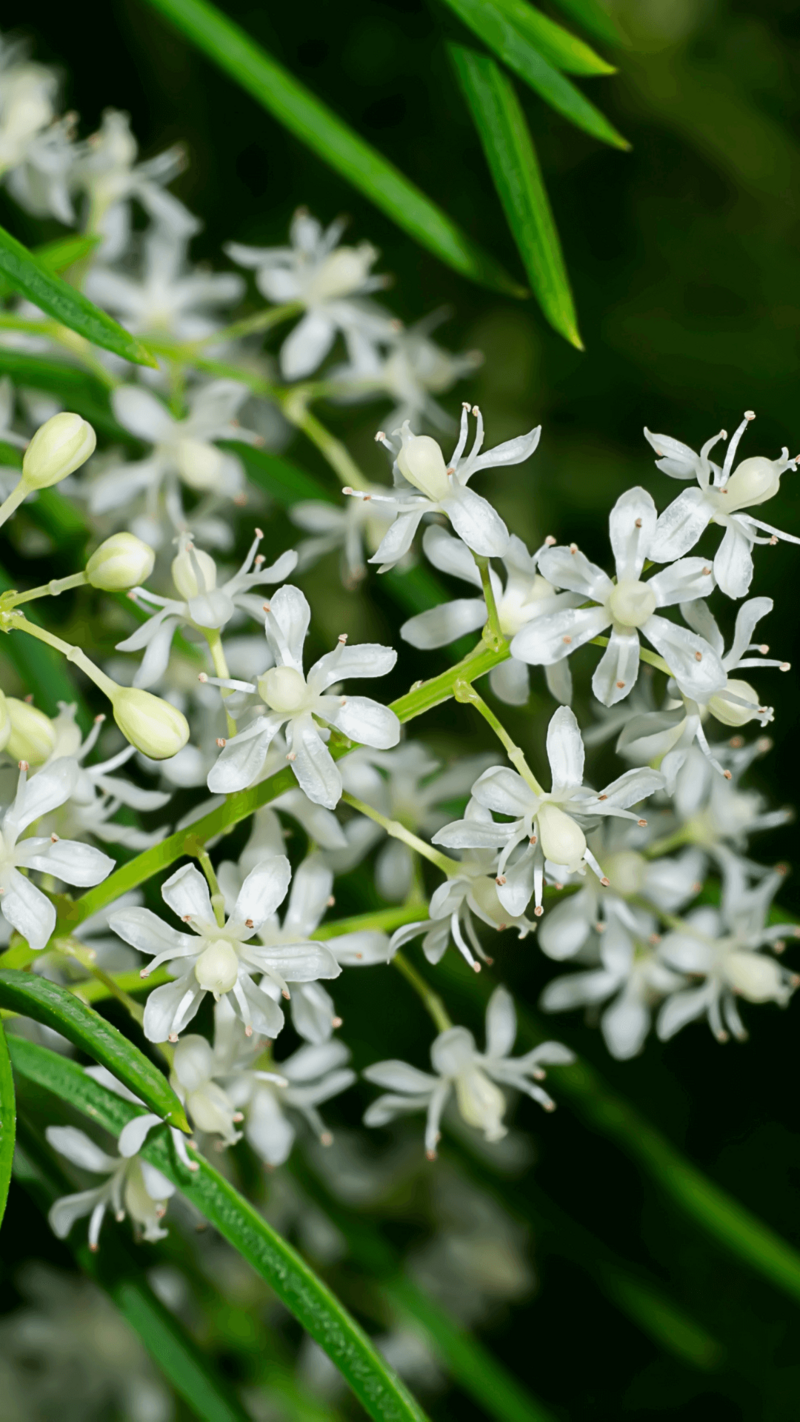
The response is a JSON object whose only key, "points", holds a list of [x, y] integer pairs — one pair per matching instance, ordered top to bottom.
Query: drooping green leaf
{"points": [[594, 17], [554, 43], [516, 50], [298, 109], [509, 150], [57, 256], [30, 276], [59, 1009], [8, 1121], [114, 1269], [380, 1391]]}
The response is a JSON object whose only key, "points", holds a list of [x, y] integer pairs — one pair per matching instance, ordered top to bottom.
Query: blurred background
{"points": [[683, 255]]}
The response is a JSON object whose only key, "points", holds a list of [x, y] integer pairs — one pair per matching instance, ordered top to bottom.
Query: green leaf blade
{"points": [[594, 17], [492, 26], [555, 44], [298, 109], [512, 160], [30, 276], [59, 1009], [8, 1121], [384, 1396]]}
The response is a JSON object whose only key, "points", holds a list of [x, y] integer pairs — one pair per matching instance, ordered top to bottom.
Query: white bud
{"points": [[343, 272], [59, 447], [421, 462], [200, 465], [755, 481], [122, 561], [193, 572], [631, 603], [283, 689], [727, 711], [5, 722], [153, 726], [32, 735], [562, 840], [217, 968], [757, 978], [193, 1062], [481, 1103], [139, 1203]]}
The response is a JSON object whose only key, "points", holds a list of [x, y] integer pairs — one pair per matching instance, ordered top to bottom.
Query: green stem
{"points": [[248, 326], [295, 408], [12, 503], [51, 589], [492, 632], [217, 651], [73, 654], [652, 658], [466, 693], [397, 831], [666, 843], [217, 897], [72, 948], [430, 1000]]}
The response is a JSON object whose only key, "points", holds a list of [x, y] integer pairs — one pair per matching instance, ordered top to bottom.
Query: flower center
{"points": [[340, 274], [421, 462], [200, 465], [755, 481], [631, 603], [520, 605], [283, 689], [728, 712], [562, 840], [217, 968], [481, 1103]]}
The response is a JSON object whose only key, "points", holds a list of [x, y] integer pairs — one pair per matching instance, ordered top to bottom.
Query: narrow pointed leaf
{"points": [[594, 17], [554, 44], [516, 50], [298, 109], [512, 160], [58, 256], [29, 275], [59, 1009], [8, 1121], [381, 1392]]}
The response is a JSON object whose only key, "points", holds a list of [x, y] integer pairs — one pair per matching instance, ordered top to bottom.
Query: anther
{"points": [[475, 410], [749, 414], [240, 500], [638, 523], [550, 541], [773, 542], [573, 548], [259, 559], [707, 572], [265, 607], [342, 638], [566, 641], [698, 656], [785, 666], [203, 676], [620, 685], [342, 700], [98, 720], [221, 742], [292, 755], [23, 766], [727, 775], [602, 797], [642, 824], [533, 839], [501, 879], [605, 882], [330, 901], [538, 911], [186, 918], [248, 923], [476, 967], [144, 972], [285, 994], [336, 1022], [173, 1036], [326, 1139]]}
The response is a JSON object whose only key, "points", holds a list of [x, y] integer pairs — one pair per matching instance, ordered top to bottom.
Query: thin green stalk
{"points": [[248, 326], [295, 408], [12, 503], [52, 589], [492, 632], [215, 647], [76, 655], [652, 658], [464, 692], [397, 831], [217, 896], [430, 1000]]}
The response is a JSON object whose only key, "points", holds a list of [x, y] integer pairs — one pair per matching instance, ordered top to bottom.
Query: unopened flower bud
{"points": [[59, 447], [421, 462], [755, 481], [121, 562], [193, 572], [5, 722], [152, 725], [32, 735], [563, 841], [217, 968], [756, 977]]}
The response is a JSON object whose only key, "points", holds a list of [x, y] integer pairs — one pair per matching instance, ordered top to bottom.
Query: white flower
{"points": [[27, 92], [106, 171], [41, 180], [324, 278], [171, 298], [410, 369], [184, 450], [425, 485], [722, 497], [361, 524], [525, 596], [202, 605], [628, 607], [299, 703], [670, 733], [408, 785], [715, 813], [545, 823], [24, 906], [723, 946], [225, 958], [629, 971], [313, 1012], [473, 1075], [132, 1187]]}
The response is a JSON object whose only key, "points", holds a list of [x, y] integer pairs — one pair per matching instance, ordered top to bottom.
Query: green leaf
{"points": [[594, 17], [554, 44], [519, 54], [298, 109], [512, 160], [57, 256], [28, 275], [79, 391], [278, 477], [57, 1008], [8, 1121], [114, 1270], [311, 1302]]}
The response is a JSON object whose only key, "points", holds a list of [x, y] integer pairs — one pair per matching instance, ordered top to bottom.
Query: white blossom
{"points": [[27, 93], [324, 278], [408, 367], [425, 485], [723, 496], [358, 527], [628, 606], [290, 699], [547, 824], [25, 906], [225, 958], [476, 1077], [132, 1187]]}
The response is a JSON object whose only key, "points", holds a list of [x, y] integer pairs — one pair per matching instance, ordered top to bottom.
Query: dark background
{"points": [[684, 260]]}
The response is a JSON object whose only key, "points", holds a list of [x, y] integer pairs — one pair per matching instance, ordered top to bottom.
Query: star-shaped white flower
{"points": [[723, 496], [628, 606], [299, 703], [475, 1076], [132, 1187]]}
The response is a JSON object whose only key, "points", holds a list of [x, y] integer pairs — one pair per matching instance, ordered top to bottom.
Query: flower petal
{"points": [[474, 520], [631, 526], [680, 526], [733, 564], [565, 568], [686, 580], [287, 625], [441, 625], [548, 639], [693, 663], [617, 671], [362, 719], [565, 748], [313, 764], [262, 891], [186, 893], [28, 910], [169, 1008], [501, 1023], [76, 1146]]}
